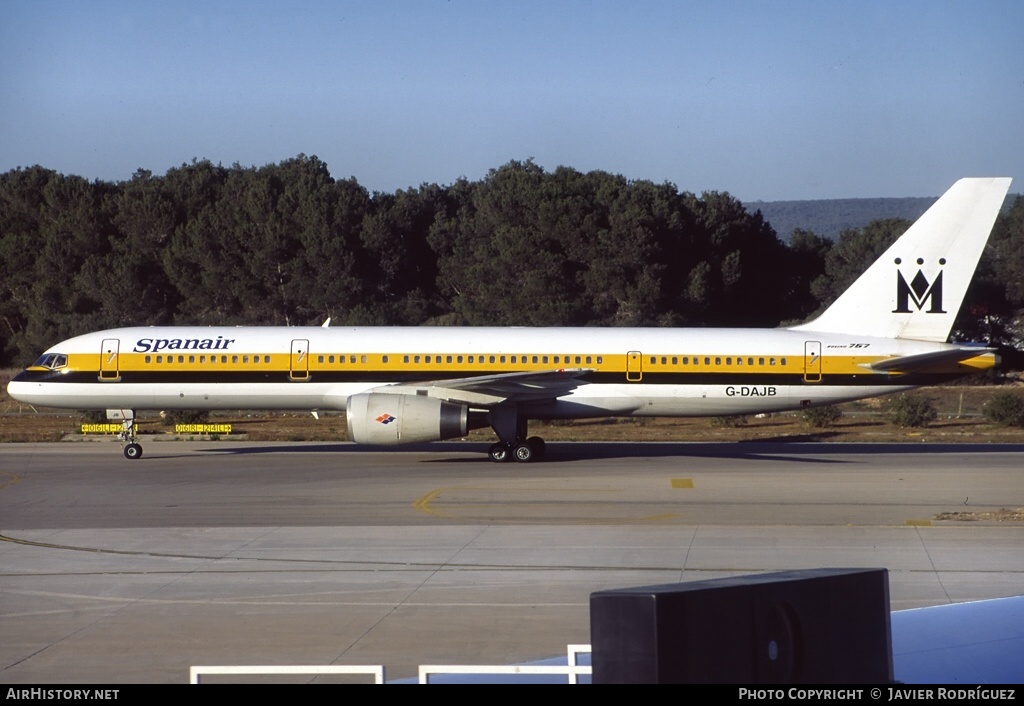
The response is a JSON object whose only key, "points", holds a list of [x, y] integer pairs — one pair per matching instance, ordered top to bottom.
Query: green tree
{"points": [[22, 206], [72, 227], [855, 250], [807, 252], [501, 263], [402, 266], [740, 267], [128, 279]]}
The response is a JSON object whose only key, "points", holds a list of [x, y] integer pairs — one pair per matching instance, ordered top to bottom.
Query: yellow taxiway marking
{"points": [[682, 482], [918, 523]]}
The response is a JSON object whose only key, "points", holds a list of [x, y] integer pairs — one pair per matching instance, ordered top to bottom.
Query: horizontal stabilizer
{"points": [[927, 361]]}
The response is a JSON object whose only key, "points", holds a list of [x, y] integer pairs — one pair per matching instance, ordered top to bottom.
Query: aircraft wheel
{"points": [[538, 447], [133, 451], [525, 452], [499, 453]]}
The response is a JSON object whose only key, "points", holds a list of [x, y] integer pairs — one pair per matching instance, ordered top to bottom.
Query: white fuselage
{"points": [[630, 372]]}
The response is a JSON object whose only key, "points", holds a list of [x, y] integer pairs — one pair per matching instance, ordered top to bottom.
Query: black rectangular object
{"points": [[814, 626]]}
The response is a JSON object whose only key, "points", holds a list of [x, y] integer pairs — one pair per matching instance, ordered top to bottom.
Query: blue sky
{"points": [[766, 100]]}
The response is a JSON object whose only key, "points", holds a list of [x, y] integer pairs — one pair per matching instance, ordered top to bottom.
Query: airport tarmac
{"points": [[216, 553]]}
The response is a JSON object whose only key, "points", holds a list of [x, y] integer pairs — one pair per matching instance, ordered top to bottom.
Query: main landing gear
{"points": [[514, 444], [132, 449], [524, 451]]}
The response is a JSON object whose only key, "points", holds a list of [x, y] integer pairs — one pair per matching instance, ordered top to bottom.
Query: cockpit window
{"points": [[52, 361]]}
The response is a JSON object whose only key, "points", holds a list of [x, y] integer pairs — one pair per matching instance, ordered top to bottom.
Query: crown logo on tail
{"points": [[919, 291]]}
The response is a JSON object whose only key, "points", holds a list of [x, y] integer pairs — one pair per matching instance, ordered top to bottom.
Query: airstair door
{"points": [[108, 359]]}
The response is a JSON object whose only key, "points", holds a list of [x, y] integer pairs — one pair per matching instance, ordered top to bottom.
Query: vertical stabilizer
{"points": [[915, 289]]}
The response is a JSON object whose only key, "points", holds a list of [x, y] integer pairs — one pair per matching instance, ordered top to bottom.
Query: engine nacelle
{"points": [[385, 419]]}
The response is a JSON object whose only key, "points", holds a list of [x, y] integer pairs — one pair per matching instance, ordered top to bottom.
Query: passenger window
{"points": [[234, 359], [245, 359], [492, 359], [600, 359], [588, 360], [707, 361], [728, 361], [760, 361], [771, 361], [782, 362]]}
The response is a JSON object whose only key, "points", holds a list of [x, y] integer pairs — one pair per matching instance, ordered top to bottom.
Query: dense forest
{"points": [[287, 244]]}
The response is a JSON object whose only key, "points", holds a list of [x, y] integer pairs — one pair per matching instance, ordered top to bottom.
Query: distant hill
{"points": [[829, 217]]}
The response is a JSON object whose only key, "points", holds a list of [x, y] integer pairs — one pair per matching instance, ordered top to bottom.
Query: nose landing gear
{"points": [[132, 449]]}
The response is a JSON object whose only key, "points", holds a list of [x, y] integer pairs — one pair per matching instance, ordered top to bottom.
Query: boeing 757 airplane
{"points": [[885, 334]]}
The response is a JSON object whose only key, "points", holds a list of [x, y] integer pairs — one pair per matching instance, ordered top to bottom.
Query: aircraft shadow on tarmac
{"points": [[562, 452]]}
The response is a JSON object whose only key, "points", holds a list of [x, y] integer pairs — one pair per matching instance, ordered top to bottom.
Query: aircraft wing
{"points": [[922, 362], [491, 390], [974, 643]]}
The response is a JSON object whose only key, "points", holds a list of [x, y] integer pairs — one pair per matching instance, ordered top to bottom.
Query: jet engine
{"points": [[388, 419]]}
